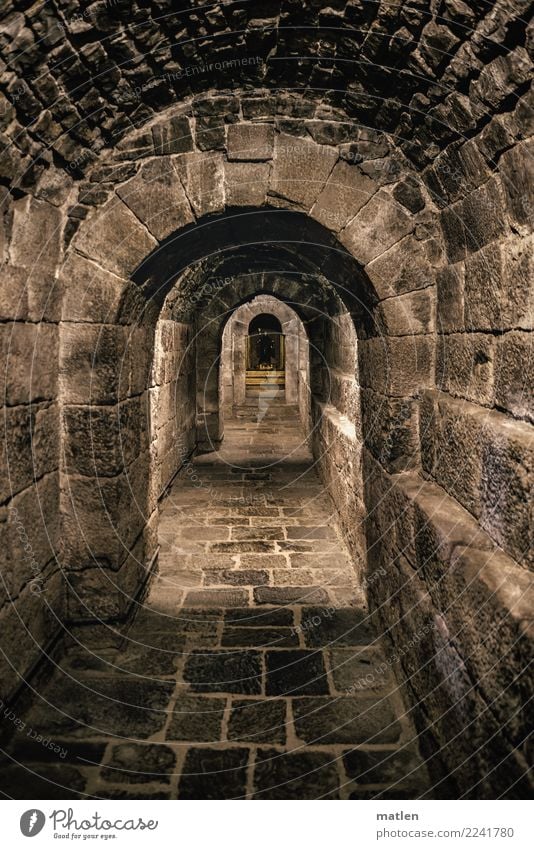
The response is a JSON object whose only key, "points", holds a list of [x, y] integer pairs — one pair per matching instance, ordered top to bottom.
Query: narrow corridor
{"points": [[251, 669]]}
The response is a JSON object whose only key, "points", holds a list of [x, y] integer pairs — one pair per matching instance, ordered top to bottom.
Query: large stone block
{"points": [[499, 78], [172, 136], [250, 142], [516, 167], [300, 169], [202, 176], [246, 183], [346, 191], [157, 197], [484, 217], [380, 224], [454, 232], [37, 235], [116, 240], [405, 267], [498, 288], [90, 292], [13, 293], [29, 294], [450, 298], [409, 314], [30, 353], [93, 365], [398, 366], [465, 366], [514, 374], [344, 395], [390, 430], [428, 431], [103, 441], [454, 444], [30, 448], [506, 485], [103, 517], [380, 521], [441, 526], [32, 535], [98, 594], [489, 605], [28, 623]]}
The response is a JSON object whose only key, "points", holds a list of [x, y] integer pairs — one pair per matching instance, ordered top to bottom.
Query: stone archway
{"points": [[153, 213], [233, 357]]}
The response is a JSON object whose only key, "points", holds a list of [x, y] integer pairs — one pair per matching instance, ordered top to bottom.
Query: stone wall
{"points": [[172, 401], [337, 432], [450, 536], [31, 590]]}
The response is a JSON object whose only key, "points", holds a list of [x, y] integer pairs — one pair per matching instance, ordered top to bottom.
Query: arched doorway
{"points": [[265, 356]]}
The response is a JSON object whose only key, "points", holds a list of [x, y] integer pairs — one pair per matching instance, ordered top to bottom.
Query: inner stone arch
{"points": [[288, 373]]}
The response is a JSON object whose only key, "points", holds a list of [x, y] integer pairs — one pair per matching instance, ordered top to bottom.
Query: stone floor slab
{"points": [[290, 595], [343, 627], [260, 637], [224, 672], [295, 673], [196, 719], [253, 721], [323, 721], [134, 763], [214, 774], [303, 775]]}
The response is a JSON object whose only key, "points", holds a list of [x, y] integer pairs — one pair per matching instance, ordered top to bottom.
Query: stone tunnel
{"points": [[232, 573]]}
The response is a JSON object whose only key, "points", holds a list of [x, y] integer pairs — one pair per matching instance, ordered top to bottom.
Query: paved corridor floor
{"points": [[250, 671]]}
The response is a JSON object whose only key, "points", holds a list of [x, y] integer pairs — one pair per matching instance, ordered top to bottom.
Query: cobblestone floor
{"points": [[250, 671]]}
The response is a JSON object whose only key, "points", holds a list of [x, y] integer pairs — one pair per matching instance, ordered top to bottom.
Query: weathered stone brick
{"points": [[172, 136], [250, 142], [516, 167], [300, 169], [202, 176], [246, 183], [346, 191], [156, 196], [483, 215], [380, 224], [454, 232], [37, 235], [117, 241], [405, 267], [498, 291], [90, 293], [450, 298], [409, 314], [30, 352], [92, 363], [396, 365], [465, 366], [514, 377], [390, 429], [455, 445], [30, 446], [507, 459], [489, 598]]}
